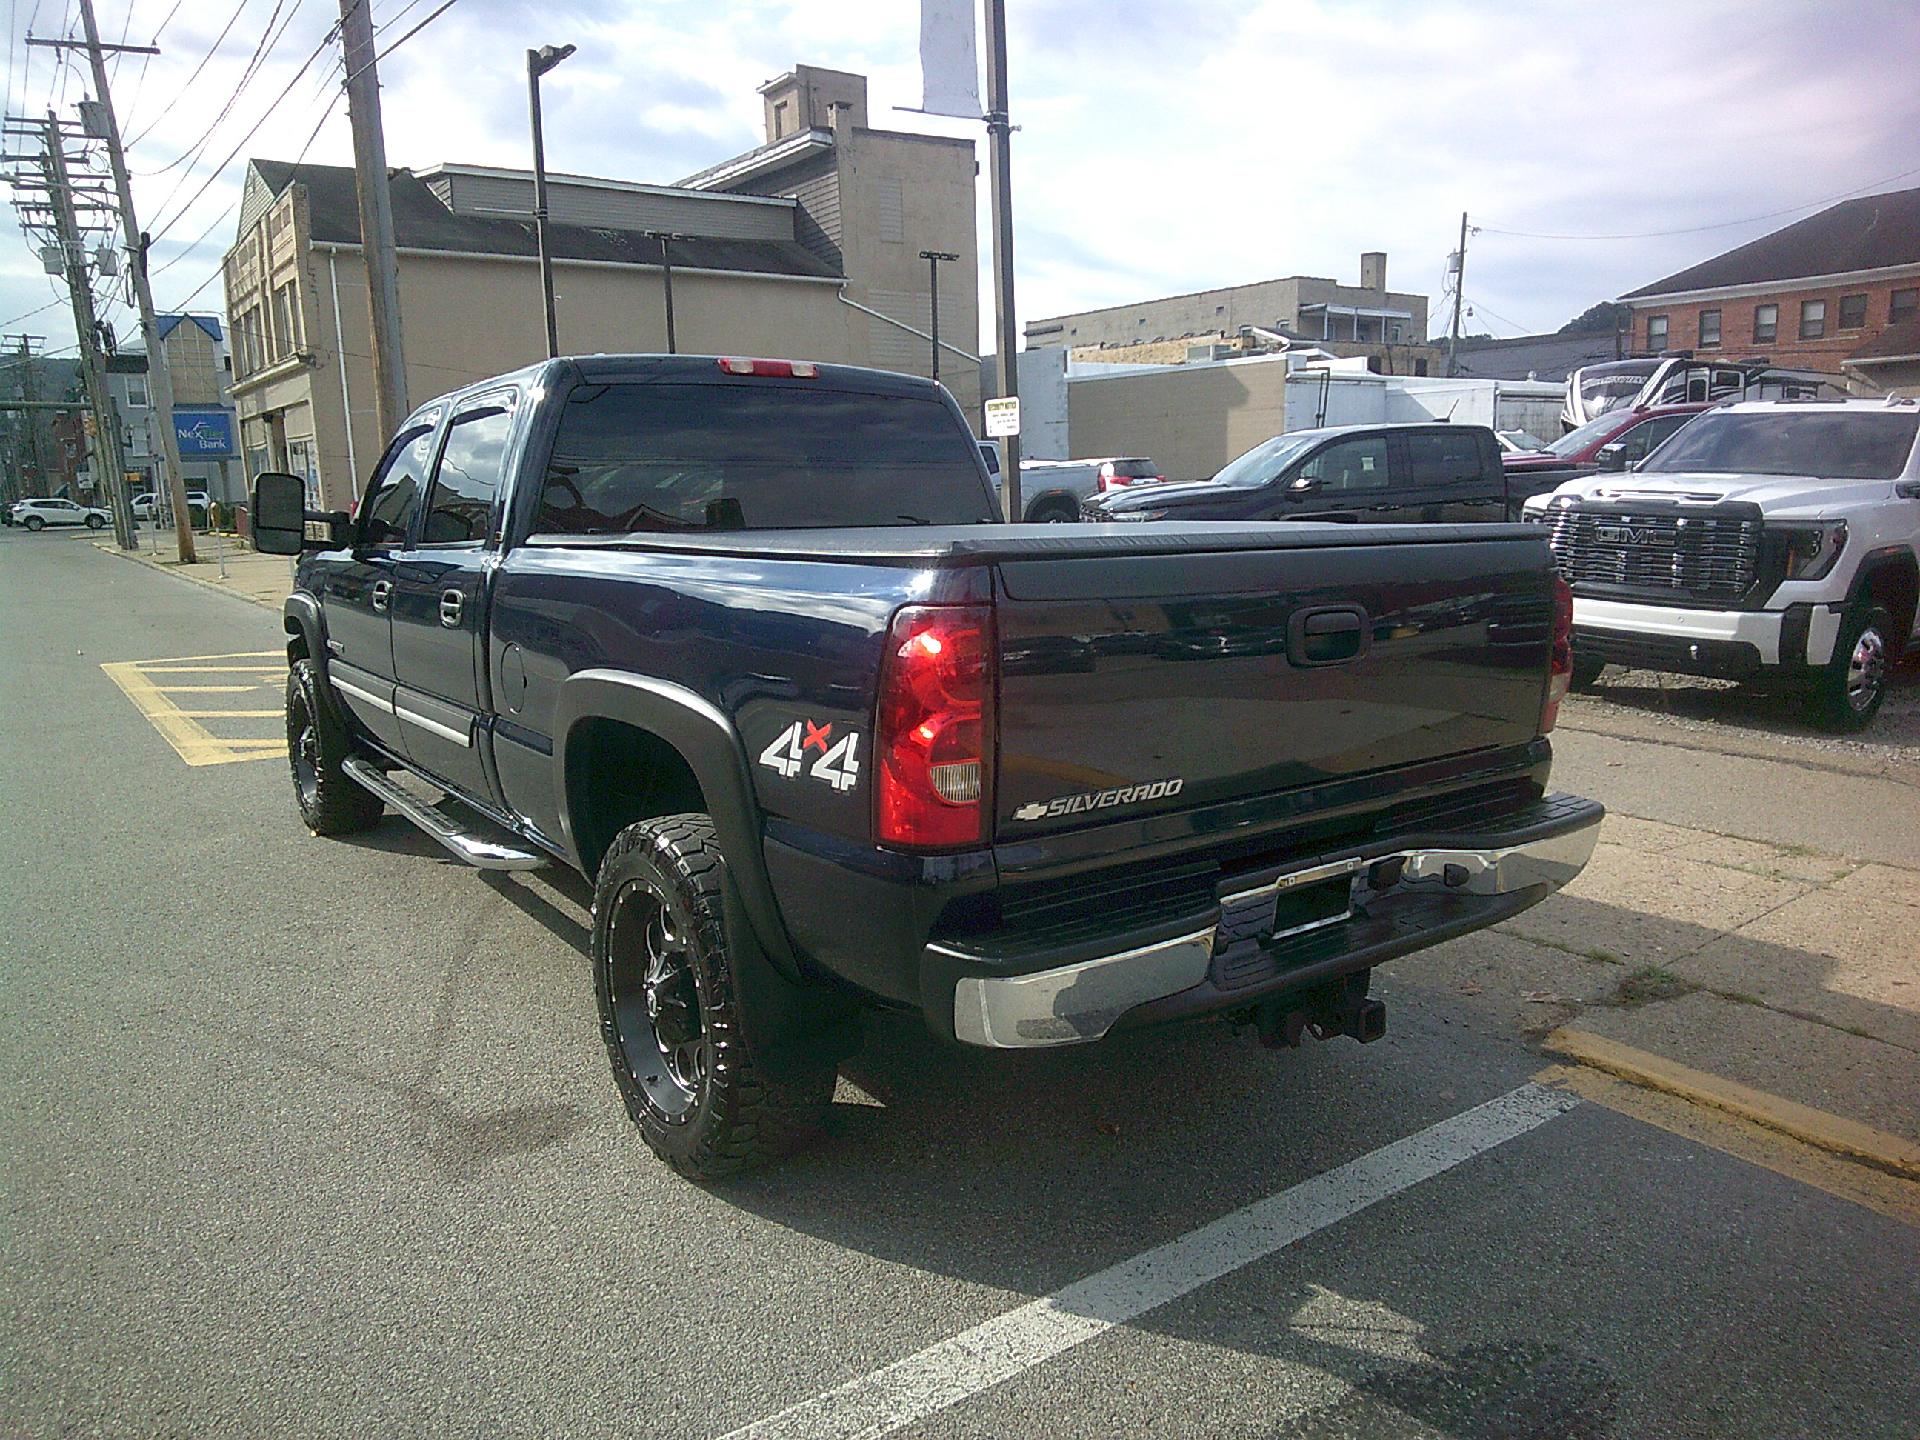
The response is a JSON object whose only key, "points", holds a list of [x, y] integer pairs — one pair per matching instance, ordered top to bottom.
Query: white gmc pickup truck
{"points": [[1773, 540]]}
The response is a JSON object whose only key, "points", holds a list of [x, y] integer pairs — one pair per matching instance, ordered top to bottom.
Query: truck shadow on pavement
{"points": [[1769, 711]]}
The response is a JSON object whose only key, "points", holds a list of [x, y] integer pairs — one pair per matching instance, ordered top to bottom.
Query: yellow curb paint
{"points": [[190, 740], [1835, 1133], [1729, 1134]]}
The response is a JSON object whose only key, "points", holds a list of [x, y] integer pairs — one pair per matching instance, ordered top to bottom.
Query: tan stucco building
{"points": [[804, 248]]}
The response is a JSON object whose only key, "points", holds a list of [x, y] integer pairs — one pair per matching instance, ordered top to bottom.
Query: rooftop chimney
{"points": [[1373, 270]]}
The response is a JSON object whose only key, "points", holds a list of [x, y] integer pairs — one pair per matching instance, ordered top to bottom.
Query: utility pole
{"points": [[539, 62], [999, 154], [376, 215], [933, 259], [1459, 289], [159, 378], [108, 463]]}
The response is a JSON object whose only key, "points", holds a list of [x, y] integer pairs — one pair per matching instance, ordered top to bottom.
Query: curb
{"points": [[180, 573], [1833, 1133]]}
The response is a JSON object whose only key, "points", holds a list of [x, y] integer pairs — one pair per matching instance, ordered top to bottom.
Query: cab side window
{"points": [[1443, 458], [1359, 464], [397, 484], [460, 504]]}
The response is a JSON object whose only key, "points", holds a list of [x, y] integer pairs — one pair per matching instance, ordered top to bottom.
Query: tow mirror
{"points": [[280, 516]]}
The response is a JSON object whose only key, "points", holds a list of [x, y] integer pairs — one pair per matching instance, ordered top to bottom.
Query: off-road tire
{"points": [[1053, 512], [34, 522], [94, 522], [1586, 671], [1847, 692], [330, 802], [738, 1114]]}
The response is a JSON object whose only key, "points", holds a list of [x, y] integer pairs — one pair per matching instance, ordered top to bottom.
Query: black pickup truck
{"points": [[742, 641]]}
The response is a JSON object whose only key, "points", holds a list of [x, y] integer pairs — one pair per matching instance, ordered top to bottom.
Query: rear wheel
{"points": [[1053, 512], [34, 522], [94, 522], [1586, 671], [1847, 693], [330, 802], [670, 1008]]}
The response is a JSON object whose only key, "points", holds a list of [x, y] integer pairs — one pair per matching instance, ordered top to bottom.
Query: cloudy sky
{"points": [[1165, 145]]}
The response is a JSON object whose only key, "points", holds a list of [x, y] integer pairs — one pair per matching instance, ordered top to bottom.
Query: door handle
{"points": [[382, 589], [450, 603], [1327, 637]]}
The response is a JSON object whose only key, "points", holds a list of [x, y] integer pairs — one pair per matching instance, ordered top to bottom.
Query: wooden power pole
{"points": [[376, 217], [1459, 292], [159, 378], [108, 463]]}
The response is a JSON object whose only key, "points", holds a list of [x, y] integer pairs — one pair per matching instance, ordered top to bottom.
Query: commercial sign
{"points": [[204, 434]]}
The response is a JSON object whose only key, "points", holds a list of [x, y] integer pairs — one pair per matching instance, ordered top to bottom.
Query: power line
{"points": [[441, 10], [395, 18], [269, 41], [140, 80], [187, 86], [252, 130], [1719, 225]]}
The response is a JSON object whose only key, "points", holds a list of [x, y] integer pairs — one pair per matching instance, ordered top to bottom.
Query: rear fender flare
{"points": [[706, 739]]}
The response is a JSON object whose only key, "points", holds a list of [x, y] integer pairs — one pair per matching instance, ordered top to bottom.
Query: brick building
{"points": [[1811, 296]]}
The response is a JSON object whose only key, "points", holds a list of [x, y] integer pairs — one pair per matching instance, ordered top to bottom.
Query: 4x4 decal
{"points": [[838, 762]]}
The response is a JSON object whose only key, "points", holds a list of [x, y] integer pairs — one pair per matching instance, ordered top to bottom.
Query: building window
{"points": [[779, 119], [1902, 305], [1853, 312], [1813, 319], [286, 321], [1766, 324], [1709, 327], [1656, 332], [137, 392]]}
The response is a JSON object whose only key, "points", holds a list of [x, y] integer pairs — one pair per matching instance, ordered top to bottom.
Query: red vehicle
{"points": [[1636, 432]]}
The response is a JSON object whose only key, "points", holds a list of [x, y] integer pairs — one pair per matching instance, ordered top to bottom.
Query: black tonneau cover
{"points": [[991, 544]]}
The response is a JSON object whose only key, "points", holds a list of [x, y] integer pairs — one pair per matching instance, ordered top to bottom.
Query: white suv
{"points": [[38, 514], [1772, 539]]}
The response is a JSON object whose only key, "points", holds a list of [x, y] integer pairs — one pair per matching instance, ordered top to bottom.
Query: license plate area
{"points": [[1300, 908]]}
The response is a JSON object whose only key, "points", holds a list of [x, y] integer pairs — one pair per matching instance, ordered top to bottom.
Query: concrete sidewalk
{"points": [[264, 579], [1788, 970]]}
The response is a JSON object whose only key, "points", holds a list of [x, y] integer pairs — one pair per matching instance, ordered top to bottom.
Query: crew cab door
{"points": [[1449, 475], [1344, 480], [356, 586], [440, 594]]}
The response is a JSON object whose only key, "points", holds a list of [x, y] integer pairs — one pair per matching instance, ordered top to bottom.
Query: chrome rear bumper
{"points": [[1073, 1004]]}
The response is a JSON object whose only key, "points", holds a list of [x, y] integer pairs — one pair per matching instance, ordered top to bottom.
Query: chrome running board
{"points": [[476, 850]]}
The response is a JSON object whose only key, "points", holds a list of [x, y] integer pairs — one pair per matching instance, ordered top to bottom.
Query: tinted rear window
{"points": [[1832, 445], [661, 457]]}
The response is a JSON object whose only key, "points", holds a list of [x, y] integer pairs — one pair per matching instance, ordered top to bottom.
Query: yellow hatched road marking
{"points": [[226, 655], [152, 669], [206, 689], [239, 714], [190, 740]]}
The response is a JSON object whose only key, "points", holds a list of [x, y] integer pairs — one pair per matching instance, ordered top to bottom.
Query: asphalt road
{"points": [[314, 1138]]}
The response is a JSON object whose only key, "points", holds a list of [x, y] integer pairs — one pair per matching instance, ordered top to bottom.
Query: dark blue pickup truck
{"points": [[743, 642]]}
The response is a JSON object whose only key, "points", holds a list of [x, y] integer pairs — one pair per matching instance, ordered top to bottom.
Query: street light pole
{"points": [[539, 62], [999, 157], [933, 259]]}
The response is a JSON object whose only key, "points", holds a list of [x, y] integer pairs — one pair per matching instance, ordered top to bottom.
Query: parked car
{"points": [[1633, 433], [1379, 473], [1053, 491], [147, 506], [38, 514], [1766, 540], [742, 642]]}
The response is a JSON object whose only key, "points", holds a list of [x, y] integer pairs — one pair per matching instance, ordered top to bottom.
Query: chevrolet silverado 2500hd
{"points": [[741, 641]]}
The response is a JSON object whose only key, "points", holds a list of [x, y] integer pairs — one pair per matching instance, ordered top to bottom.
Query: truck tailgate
{"points": [[1131, 683]]}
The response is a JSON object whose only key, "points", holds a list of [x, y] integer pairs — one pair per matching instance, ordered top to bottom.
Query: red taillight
{"points": [[784, 369], [1560, 668], [935, 727]]}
